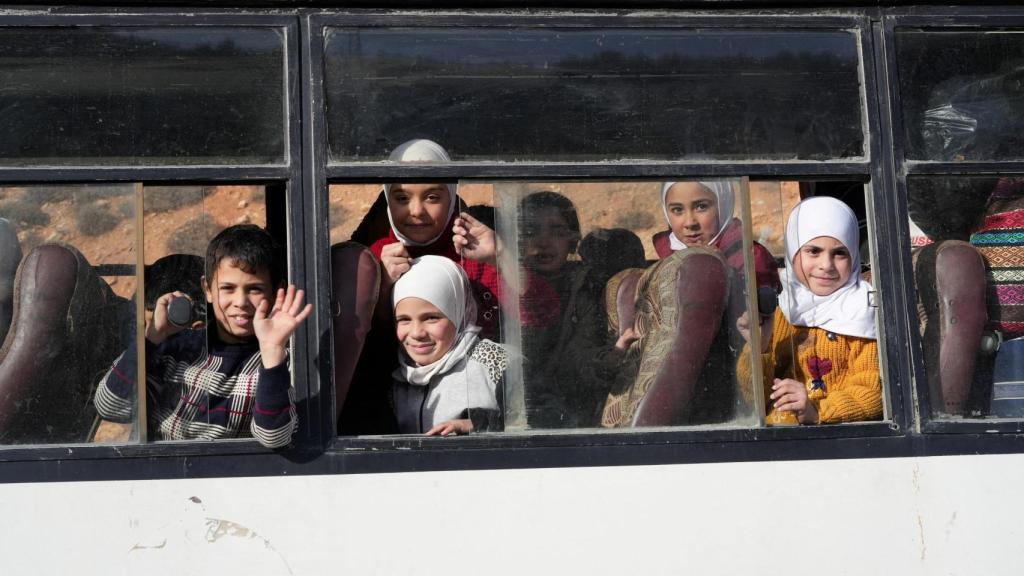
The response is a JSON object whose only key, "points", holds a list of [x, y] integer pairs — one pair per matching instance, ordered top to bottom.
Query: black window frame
{"points": [[965, 19], [371, 171], [304, 178], [283, 179]]}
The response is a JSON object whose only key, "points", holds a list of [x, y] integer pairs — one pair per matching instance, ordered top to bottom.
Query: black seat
{"points": [[63, 337]]}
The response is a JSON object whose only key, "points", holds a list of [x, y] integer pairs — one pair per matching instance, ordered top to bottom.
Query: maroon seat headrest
{"points": [[950, 280], [355, 285], [620, 299], [681, 301], [64, 336]]}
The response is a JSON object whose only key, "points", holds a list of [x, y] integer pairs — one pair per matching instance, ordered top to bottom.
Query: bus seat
{"points": [[10, 257], [950, 277], [355, 284], [620, 299], [681, 302], [62, 339]]}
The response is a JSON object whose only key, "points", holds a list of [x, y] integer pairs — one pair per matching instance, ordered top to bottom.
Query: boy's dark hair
{"points": [[546, 199], [250, 248]]}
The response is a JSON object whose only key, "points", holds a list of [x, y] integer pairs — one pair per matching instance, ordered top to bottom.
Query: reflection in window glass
{"points": [[961, 93], [529, 94], [129, 96], [968, 274], [629, 297], [64, 318]]}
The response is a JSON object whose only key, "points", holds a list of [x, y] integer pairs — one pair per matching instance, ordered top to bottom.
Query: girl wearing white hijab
{"points": [[699, 213], [422, 217], [822, 355], [449, 379]]}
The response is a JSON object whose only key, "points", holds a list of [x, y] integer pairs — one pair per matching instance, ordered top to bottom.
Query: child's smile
{"points": [[419, 211], [823, 265], [235, 294], [425, 332]]}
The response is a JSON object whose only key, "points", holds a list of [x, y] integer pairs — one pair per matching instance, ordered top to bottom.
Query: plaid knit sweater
{"points": [[194, 393]]}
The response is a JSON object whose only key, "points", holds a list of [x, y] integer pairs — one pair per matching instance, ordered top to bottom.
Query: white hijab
{"points": [[421, 150], [722, 189], [444, 284], [846, 311]]}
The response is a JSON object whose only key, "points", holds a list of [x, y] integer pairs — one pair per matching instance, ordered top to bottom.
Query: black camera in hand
{"points": [[767, 302], [179, 312]]}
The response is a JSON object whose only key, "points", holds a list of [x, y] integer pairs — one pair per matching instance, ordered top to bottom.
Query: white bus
{"points": [[134, 133]]}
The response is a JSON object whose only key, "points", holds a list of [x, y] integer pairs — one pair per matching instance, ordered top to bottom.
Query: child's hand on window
{"points": [[474, 239], [396, 261], [743, 325], [274, 326], [160, 328], [789, 395], [452, 428]]}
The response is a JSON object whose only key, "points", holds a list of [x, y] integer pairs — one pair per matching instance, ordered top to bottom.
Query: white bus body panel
{"points": [[937, 515]]}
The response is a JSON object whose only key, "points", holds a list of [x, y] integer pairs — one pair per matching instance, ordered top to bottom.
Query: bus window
{"points": [[961, 93], [572, 94], [142, 95], [68, 256], [968, 276], [622, 304], [624, 320], [201, 369]]}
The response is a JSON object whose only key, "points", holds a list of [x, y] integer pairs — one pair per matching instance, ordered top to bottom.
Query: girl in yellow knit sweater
{"points": [[822, 355]]}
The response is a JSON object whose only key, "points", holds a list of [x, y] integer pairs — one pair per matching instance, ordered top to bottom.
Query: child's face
{"points": [[419, 210], [692, 213], [547, 240], [823, 265], [234, 294], [424, 331]]}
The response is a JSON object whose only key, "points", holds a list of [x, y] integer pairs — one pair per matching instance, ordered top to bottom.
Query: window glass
{"points": [[961, 93], [590, 95], [152, 96], [68, 256], [968, 268], [622, 305], [370, 333], [201, 383], [213, 397]]}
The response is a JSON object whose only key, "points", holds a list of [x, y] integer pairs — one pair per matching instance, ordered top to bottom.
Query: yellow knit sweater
{"points": [[847, 365]]}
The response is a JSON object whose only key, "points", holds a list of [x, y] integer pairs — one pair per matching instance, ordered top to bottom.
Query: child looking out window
{"points": [[819, 351]]}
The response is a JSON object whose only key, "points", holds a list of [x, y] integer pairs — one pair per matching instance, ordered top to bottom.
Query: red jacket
{"points": [[730, 244], [543, 308]]}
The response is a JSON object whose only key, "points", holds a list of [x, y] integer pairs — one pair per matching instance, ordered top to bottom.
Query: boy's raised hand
{"points": [[474, 239], [274, 326], [160, 328]]}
